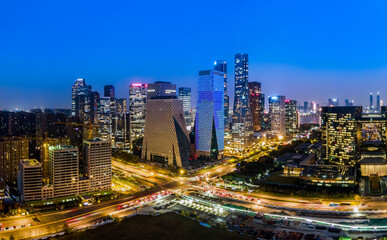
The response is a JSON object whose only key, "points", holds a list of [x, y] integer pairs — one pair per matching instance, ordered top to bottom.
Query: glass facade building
{"points": [[221, 66], [185, 96], [137, 100], [257, 104], [277, 114], [291, 116], [209, 121], [242, 124]]}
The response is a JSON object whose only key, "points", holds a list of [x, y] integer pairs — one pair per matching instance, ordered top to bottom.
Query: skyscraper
{"points": [[221, 66], [109, 91], [185, 96], [81, 100], [137, 101], [348, 102], [371, 102], [378, 102], [257, 104], [121, 106], [306, 107], [105, 114], [277, 114], [209, 120], [291, 123], [242, 126], [339, 134], [165, 138], [11, 153], [98, 163], [64, 170]]}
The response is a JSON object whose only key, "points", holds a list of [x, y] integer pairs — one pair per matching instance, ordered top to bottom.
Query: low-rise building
{"points": [[376, 166], [328, 176]]}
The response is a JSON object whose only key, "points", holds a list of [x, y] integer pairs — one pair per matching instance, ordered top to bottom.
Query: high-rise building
{"points": [[221, 66], [79, 83], [161, 89], [109, 91], [185, 96], [95, 97], [81, 100], [137, 101], [333, 102], [371, 102], [378, 102], [257, 104], [121, 106], [306, 107], [105, 114], [277, 114], [291, 117], [209, 120], [242, 126], [121, 130], [339, 134], [165, 138], [11, 153], [98, 163], [64, 170], [30, 180]]}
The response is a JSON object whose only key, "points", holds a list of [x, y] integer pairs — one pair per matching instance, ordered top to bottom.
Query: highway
{"points": [[46, 223]]}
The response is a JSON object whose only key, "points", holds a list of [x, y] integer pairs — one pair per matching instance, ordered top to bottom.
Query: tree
{"points": [[11, 237]]}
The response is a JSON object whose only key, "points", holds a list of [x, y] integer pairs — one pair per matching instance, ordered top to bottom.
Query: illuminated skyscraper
{"points": [[221, 66], [185, 96], [81, 100], [137, 101], [378, 102], [257, 104], [121, 106], [277, 114], [209, 121], [291, 123], [242, 126], [339, 134], [11, 153]]}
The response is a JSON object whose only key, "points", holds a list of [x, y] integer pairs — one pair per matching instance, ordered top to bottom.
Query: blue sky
{"points": [[305, 50]]}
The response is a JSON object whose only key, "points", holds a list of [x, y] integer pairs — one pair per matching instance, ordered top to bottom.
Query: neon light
{"points": [[136, 85]]}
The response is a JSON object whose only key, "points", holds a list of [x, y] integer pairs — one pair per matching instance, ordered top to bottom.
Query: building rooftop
{"points": [[61, 147], [373, 160], [30, 162]]}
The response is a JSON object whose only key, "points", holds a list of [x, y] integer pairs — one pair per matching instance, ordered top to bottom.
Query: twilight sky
{"points": [[305, 50]]}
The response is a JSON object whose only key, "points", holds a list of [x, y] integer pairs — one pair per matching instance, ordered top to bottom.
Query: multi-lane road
{"points": [[46, 223]]}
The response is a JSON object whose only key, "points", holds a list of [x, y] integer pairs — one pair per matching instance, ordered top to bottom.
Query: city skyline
{"points": [[285, 56]]}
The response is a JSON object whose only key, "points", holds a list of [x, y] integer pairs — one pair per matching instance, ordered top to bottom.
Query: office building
{"points": [[221, 66], [161, 89], [109, 91], [185, 96], [95, 98], [81, 100], [137, 101], [349, 102], [371, 102], [377, 102], [257, 104], [121, 106], [306, 107], [105, 114], [277, 114], [291, 117], [209, 120], [242, 125], [339, 134], [165, 138], [11, 153], [98, 163], [64, 170], [30, 180]]}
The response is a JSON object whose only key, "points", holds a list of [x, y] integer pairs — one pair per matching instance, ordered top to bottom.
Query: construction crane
{"points": [[89, 126]]}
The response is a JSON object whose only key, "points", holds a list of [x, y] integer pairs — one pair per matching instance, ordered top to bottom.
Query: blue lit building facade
{"points": [[209, 121]]}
